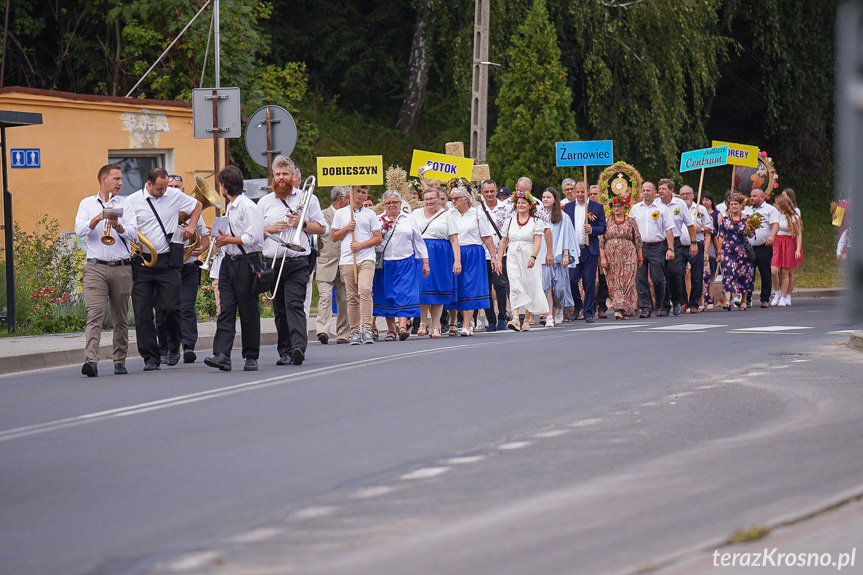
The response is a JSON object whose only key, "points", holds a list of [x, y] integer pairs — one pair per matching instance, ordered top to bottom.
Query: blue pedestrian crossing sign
{"points": [[26, 158]]}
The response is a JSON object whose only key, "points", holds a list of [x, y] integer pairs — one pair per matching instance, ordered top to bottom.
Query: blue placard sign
{"points": [[587, 153], [26, 158], [704, 158]]}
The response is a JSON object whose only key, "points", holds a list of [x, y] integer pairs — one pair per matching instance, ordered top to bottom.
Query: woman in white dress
{"points": [[522, 237]]}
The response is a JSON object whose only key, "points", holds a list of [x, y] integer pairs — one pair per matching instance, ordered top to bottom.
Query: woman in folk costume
{"points": [[555, 278]]}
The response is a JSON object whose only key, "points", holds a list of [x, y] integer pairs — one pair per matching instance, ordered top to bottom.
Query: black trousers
{"points": [[763, 257], [654, 261], [584, 272], [675, 274], [696, 275], [235, 280], [500, 284], [158, 286], [602, 293], [289, 304], [187, 334]]}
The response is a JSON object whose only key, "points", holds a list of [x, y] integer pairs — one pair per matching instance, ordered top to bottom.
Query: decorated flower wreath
{"points": [[772, 176], [613, 180], [458, 183], [526, 195], [624, 201]]}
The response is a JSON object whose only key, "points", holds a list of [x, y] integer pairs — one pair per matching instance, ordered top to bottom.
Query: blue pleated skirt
{"points": [[472, 282], [439, 286], [396, 289]]}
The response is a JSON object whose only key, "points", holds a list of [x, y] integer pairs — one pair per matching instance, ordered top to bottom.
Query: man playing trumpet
{"points": [[282, 214], [107, 272]]}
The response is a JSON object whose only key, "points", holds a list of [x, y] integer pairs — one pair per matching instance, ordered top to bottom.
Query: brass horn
{"points": [[208, 196], [135, 247]]}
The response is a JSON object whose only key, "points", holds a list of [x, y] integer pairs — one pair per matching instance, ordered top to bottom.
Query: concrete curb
{"points": [[856, 341]]}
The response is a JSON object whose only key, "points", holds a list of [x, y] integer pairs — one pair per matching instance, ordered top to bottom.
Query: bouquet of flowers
{"points": [[753, 222], [387, 224]]}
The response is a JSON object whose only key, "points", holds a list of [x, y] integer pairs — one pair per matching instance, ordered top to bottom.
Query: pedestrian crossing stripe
{"points": [[609, 327], [686, 327], [771, 328]]}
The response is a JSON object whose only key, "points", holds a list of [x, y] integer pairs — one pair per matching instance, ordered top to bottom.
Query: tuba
{"points": [[209, 197], [135, 248]]}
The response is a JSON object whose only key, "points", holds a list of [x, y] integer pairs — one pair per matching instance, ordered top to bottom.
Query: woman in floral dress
{"points": [[620, 256], [738, 272]]}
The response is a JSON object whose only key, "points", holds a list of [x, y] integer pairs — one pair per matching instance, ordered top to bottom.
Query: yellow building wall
{"points": [[74, 139]]}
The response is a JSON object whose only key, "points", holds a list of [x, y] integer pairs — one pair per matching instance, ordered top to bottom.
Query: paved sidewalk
{"points": [[42, 351]]}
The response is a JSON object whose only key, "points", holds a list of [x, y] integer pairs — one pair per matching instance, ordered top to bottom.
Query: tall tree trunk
{"points": [[409, 114]]}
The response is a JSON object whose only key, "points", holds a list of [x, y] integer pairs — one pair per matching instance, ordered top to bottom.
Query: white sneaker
{"points": [[788, 300], [775, 301], [782, 302], [558, 315], [549, 321]]}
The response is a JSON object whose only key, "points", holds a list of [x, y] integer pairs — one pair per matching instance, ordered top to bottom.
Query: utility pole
{"points": [[479, 87]]}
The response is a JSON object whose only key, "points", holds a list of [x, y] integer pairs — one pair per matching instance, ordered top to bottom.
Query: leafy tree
{"points": [[534, 104]]}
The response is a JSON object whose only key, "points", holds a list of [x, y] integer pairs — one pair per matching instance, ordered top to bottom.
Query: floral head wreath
{"points": [[459, 183], [526, 195], [619, 201]]}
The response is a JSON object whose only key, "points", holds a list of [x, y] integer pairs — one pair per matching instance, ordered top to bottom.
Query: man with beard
{"points": [[281, 213]]}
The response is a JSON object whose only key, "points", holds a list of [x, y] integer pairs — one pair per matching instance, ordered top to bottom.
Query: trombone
{"points": [[294, 242]]}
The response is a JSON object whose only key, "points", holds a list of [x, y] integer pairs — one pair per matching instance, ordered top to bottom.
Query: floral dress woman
{"points": [[621, 244], [738, 272]]}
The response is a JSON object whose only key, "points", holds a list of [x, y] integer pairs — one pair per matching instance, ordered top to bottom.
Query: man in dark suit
{"points": [[587, 233]]}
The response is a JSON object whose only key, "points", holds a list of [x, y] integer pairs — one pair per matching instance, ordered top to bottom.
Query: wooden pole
{"points": [[732, 179], [586, 195], [698, 201], [353, 236]]}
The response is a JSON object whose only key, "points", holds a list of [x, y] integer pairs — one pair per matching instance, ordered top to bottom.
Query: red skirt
{"points": [[783, 253]]}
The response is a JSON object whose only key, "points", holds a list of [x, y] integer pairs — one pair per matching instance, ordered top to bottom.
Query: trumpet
{"points": [[107, 238]]}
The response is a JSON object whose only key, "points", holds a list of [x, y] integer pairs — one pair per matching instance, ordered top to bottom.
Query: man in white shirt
{"points": [[157, 210], [281, 213], [703, 224], [763, 241], [358, 247], [657, 247], [684, 247], [241, 253], [108, 269], [328, 277], [498, 283], [187, 319]]}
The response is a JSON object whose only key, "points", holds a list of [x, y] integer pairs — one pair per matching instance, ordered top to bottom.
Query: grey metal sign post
{"points": [[216, 114]]}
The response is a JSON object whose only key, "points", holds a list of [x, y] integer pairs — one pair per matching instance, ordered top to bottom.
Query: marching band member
{"points": [[157, 209], [280, 210], [241, 249], [107, 271]]}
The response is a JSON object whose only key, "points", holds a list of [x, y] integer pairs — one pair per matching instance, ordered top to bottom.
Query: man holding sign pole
{"points": [[588, 219], [359, 231]]}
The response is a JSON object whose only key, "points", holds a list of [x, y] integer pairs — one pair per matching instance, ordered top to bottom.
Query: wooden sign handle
{"points": [[353, 236]]}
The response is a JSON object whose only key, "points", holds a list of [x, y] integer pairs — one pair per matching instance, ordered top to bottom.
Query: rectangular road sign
{"points": [[586, 153], [26, 158], [441, 166], [350, 171]]}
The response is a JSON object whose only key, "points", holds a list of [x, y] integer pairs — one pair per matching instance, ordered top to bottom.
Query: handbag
{"points": [[750, 251], [176, 258], [262, 277]]}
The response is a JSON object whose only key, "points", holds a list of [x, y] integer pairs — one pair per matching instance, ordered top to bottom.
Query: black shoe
{"points": [[676, 310], [663, 312], [644, 315], [589, 319], [323, 338], [189, 356], [297, 356], [163, 359], [173, 359], [284, 359], [219, 360], [251, 364], [151, 366], [120, 368], [89, 369]]}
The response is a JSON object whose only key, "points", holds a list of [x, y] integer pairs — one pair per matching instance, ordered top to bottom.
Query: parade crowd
{"points": [[433, 259]]}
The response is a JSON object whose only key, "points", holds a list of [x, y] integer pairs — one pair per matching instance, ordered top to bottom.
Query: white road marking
{"points": [[608, 327], [687, 327], [769, 328], [841, 332], [799, 360], [778, 367], [756, 373], [731, 381], [585, 422], [552, 433], [515, 445], [464, 460], [425, 473], [370, 492], [313, 512], [255, 535], [192, 561]]}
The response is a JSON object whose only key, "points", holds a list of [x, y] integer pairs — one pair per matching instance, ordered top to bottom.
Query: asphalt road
{"points": [[583, 449]]}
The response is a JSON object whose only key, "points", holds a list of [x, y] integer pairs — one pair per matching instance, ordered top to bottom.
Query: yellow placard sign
{"points": [[739, 154], [441, 166], [350, 171]]}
